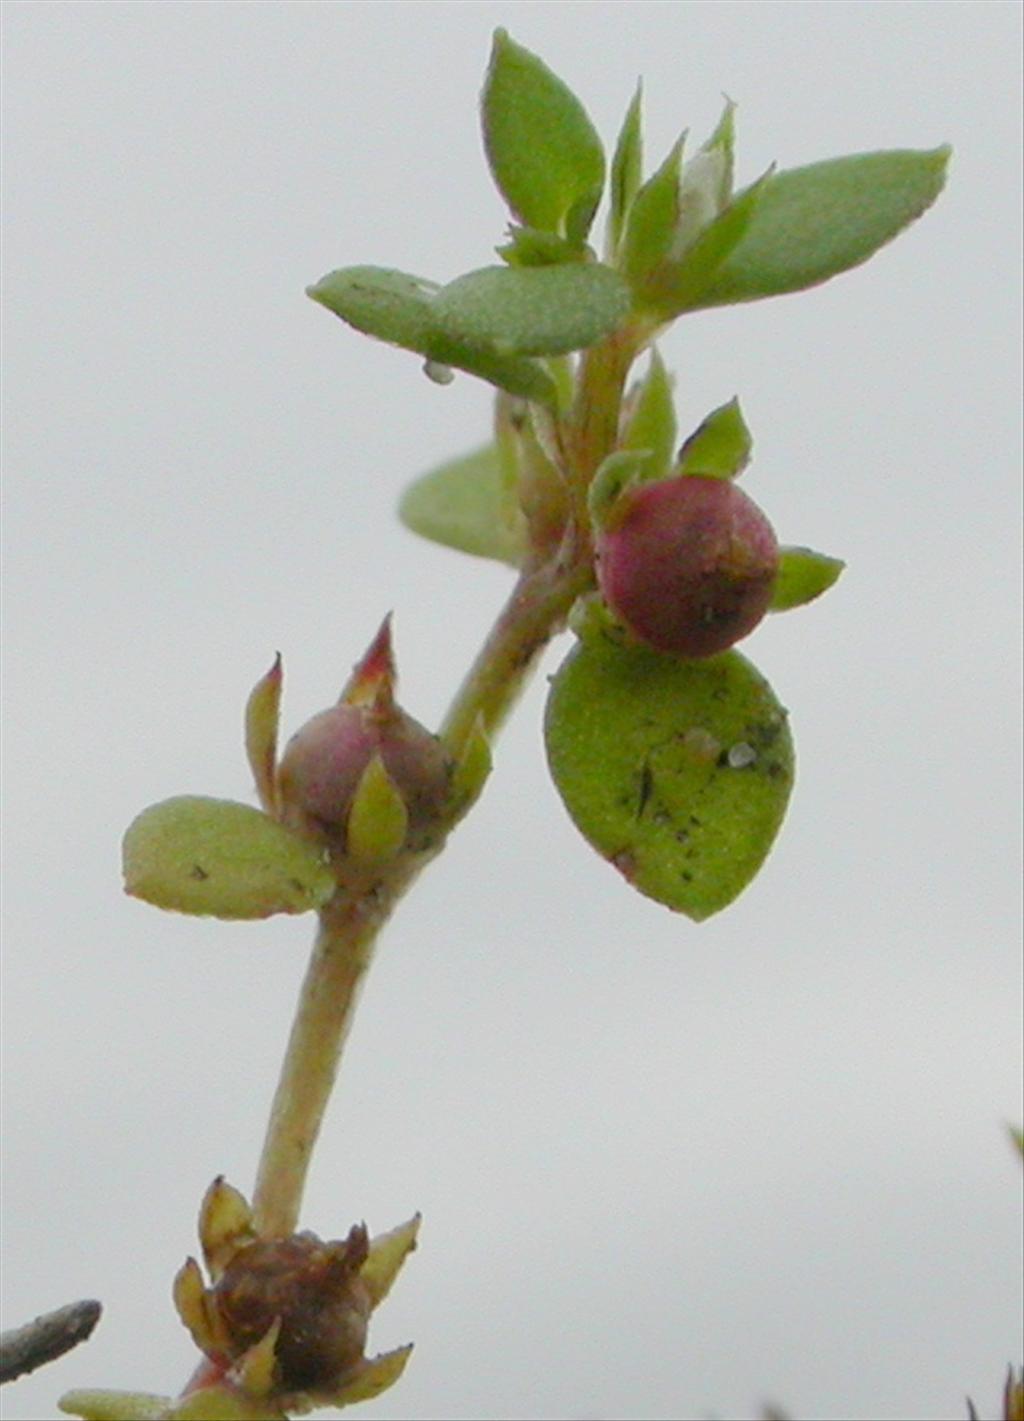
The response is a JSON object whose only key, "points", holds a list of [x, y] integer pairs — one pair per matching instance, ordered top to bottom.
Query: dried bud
{"points": [[687, 564], [313, 1291]]}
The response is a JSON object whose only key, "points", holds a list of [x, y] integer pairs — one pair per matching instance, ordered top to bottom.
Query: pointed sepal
{"points": [[720, 446], [803, 575], [374, 676], [262, 714], [472, 767], [378, 819], [225, 1225], [388, 1251], [375, 1376]]}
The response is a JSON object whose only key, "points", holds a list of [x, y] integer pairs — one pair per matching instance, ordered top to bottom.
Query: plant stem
{"points": [[537, 608], [341, 955]]}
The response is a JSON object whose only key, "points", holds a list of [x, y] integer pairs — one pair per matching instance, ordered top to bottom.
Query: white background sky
{"points": [[666, 1170]]}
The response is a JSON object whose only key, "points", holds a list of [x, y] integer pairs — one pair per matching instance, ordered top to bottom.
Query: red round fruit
{"points": [[688, 564]]}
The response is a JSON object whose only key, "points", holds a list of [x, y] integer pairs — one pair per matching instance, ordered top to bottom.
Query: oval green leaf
{"points": [[545, 156], [815, 222], [401, 309], [532, 310], [466, 504], [803, 575], [677, 772], [213, 857]]}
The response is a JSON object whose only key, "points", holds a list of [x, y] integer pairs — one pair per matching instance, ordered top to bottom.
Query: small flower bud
{"points": [[687, 564], [364, 747]]}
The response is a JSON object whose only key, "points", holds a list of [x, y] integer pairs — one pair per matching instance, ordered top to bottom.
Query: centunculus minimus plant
{"points": [[668, 746]]}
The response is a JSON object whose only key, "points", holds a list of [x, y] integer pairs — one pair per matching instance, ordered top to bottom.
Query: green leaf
{"points": [[544, 155], [626, 172], [817, 221], [651, 224], [677, 286], [401, 309], [536, 310], [652, 421], [719, 448], [465, 504], [803, 575], [678, 772], [216, 857]]}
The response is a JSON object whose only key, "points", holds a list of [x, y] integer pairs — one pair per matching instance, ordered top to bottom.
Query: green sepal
{"points": [[544, 154], [626, 171], [817, 221], [651, 223], [528, 246], [677, 285], [400, 309], [536, 310], [652, 420], [719, 448], [617, 473], [467, 504], [803, 575], [262, 713], [472, 768], [678, 772], [378, 819], [213, 857]]}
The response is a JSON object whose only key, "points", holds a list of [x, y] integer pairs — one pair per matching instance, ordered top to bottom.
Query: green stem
{"points": [[535, 611], [341, 955]]}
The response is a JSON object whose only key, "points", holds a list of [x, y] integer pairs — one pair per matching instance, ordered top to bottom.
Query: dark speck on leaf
{"points": [[199, 873]]}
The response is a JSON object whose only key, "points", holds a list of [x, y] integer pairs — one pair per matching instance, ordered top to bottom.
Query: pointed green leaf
{"points": [[544, 154], [626, 172], [817, 221], [651, 224], [678, 285], [400, 309], [536, 310], [652, 422], [719, 448], [465, 504], [803, 575], [678, 772], [216, 857]]}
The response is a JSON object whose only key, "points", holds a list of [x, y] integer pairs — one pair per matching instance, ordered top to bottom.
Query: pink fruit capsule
{"points": [[687, 564]]}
